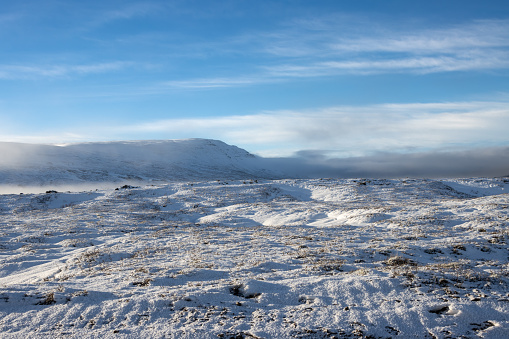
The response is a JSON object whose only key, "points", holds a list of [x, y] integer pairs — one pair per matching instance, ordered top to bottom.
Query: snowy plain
{"points": [[252, 257]]}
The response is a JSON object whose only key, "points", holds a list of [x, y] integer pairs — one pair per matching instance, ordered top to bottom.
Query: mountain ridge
{"points": [[119, 161]]}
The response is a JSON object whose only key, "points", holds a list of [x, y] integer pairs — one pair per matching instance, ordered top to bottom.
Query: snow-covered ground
{"points": [[314, 258]]}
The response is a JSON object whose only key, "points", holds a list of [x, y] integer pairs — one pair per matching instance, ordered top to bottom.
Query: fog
{"points": [[15, 155], [486, 162], [37, 168], [76, 187]]}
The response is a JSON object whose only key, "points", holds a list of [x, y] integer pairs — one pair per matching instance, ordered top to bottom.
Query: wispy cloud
{"points": [[126, 12], [348, 35], [473, 35], [472, 46], [296, 48], [326, 48], [421, 65], [364, 66], [54, 71], [210, 83]]}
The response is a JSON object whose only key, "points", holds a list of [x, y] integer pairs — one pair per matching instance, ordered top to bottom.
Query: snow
{"points": [[100, 164], [199, 239], [245, 258]]}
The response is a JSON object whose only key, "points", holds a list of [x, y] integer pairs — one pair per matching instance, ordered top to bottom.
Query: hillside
{"points": [[189, 159], [337, 258]]}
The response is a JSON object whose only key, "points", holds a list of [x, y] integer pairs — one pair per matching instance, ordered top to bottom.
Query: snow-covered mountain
{"points": [[189, 159], [101, 164]]}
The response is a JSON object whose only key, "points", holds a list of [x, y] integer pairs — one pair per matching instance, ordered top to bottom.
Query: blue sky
{"points": [[344, 78]]}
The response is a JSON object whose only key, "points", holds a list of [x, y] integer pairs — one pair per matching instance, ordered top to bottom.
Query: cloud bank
{"points": [[343, 131], [350, 131], [154, 160], [484, 162]]}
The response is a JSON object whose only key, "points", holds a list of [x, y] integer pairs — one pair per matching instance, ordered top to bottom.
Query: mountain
{"points": [[188, 159], [88, 164]]}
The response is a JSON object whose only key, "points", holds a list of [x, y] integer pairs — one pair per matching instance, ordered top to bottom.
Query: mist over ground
{"points": [[485, 162], [108, 164]]}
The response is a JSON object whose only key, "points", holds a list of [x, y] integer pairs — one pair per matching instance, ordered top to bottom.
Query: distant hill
{"points": [[188, 159], [204, 159]]}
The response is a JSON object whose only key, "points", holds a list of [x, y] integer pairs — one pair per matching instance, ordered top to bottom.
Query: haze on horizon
{"points": [[364, 86], [88, 166]]}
